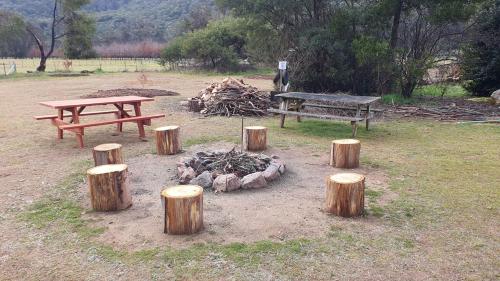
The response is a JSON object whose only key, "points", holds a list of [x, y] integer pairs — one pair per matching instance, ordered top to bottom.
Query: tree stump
{"points": [[194, 105], [255, 138], [168, 140], [109, 153], [345, 153], [108, 185], [345, 194], [183, 209]]}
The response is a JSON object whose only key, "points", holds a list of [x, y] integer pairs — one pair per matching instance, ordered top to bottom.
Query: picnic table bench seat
{"points": [[313, 115], [47, 117], [117, 121]]}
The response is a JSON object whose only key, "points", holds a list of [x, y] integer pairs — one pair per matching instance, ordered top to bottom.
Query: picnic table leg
{"points": [[299, 105], [283, 106], [367, 117], [76, 120], [140, 124], [354, 125], [119, 126], [60, 133]]}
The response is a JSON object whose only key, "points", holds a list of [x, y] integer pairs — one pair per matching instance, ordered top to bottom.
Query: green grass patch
{"points": [[444, 90], [427, 91], [208, 139]]}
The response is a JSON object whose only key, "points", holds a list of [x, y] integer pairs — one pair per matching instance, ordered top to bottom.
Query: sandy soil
{"points": [[290, 207]]}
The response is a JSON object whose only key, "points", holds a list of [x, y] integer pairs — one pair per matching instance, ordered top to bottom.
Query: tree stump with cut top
{"points": [[255, 138], [168, 140], [109, 153], [345, 153], [109, 187], [345, 194], [183, 209]]}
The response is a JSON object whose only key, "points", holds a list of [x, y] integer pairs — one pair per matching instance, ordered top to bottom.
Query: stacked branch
{"points": [[232, 97], [445, 113], [232, 162]]}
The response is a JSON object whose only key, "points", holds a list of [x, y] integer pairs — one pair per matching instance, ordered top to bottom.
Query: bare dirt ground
{"points": [[432, 198], [287, 209]]}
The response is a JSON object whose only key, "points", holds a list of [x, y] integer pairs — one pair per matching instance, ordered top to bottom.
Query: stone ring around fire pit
{"points": [[226, 171]]}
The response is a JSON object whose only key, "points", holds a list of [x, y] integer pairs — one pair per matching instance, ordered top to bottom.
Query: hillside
{"points": [[120, 20]]}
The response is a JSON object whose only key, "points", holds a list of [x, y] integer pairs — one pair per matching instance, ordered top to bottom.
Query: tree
{"points": [[62, 12], [198, 18], [80, 30], [429, 31], [15, 40], [481, 59]]}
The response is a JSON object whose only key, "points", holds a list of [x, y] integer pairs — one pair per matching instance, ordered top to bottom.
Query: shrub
{"points": [[218, 46]]}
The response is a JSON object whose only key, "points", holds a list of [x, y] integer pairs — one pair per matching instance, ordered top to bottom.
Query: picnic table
{"points": [[293, 102], [76, 109]]}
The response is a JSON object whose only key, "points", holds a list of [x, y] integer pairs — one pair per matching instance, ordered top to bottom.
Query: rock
{"points": [[496, 97], [184, 103], [186, 161], [280, 164], [180, 170], [216, 173], [271, 173], [187, 176], [204, 180], [255, 180], [226, 183]]}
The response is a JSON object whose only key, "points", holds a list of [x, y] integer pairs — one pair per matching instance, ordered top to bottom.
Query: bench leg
{"points": [[367, 117], [354, 125], [60, 133], [79, 138]]}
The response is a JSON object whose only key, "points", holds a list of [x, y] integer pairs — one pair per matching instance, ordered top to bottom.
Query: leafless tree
{"points": [[55, 34]]}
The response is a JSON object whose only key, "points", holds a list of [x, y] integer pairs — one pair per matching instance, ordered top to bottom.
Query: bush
{"points": [[218, 46], [481, 60]]}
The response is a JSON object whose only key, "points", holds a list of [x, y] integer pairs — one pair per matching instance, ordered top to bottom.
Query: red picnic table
{"points": [[76, 110]]}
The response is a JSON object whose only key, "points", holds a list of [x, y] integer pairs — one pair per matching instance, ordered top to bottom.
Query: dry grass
{"points": [[443, 225]]}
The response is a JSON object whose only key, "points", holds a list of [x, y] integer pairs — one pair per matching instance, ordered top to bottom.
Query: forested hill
{"points": [[119, 20]]}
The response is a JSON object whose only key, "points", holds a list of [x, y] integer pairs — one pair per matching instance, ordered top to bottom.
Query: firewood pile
{"points": [[231, 97], [444, 113], [229, 162]]}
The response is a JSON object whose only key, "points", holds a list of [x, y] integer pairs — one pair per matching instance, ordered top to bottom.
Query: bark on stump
{"points": [[194, 105], [255, 138], [168, 140], [109, 153], [345, 153], [109, 187], [345, 194], [183, 209]]}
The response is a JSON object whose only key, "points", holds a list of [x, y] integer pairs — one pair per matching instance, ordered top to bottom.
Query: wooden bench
{"points": [[339, 107], [47, 117], [354, 120]]}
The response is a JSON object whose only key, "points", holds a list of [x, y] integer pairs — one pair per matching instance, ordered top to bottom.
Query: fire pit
{"points": [[226, 171]]}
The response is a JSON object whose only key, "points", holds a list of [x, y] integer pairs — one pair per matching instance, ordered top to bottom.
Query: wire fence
{"points": [[104, 64]]}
